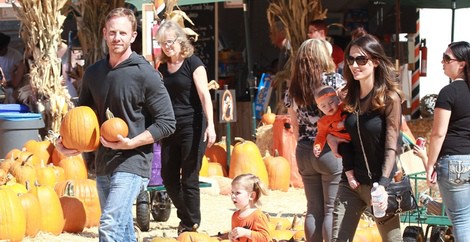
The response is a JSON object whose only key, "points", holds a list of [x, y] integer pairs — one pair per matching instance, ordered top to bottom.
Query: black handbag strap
{"points": [[364, 151]]}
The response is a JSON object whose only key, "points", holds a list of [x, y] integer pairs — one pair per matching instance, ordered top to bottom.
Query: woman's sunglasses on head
{"points": [[360, 60]]}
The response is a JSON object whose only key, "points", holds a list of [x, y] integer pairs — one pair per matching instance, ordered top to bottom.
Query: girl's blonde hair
{"points": [[251, 183]]}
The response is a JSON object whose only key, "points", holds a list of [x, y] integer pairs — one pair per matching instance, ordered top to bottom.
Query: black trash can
{"points": [[16, 128]]}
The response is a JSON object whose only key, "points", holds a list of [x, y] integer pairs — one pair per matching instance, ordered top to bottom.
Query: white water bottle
{"points": [[377, 197]]}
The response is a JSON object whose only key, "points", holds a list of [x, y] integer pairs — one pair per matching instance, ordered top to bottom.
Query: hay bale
{"points": [[264, 138]]}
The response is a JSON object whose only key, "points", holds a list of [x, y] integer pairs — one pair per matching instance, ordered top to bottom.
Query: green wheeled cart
{"points": [[438, 226]]}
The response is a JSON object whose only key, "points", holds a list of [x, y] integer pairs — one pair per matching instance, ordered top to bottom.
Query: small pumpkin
{"points": [[268, 117], [113, 127], [80, 129], [42, 149], [218, 152], [5, 164], [204, 167], [46, 175], [193, 237]]}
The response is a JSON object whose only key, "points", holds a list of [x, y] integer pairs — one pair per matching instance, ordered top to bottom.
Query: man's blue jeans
{"points": [[453, 178], [117, 193]]}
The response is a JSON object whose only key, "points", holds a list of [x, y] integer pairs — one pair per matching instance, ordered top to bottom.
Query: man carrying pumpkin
{"points": [[130, 87]]}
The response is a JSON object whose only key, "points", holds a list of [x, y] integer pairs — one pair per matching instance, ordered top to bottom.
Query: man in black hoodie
{"points": [[131, 88]]}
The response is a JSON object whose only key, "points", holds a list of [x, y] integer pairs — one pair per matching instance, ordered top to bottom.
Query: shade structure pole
{"points": [[454, 6], [250, 78]]}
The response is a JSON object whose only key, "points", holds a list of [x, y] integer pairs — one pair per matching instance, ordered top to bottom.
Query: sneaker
{"points": [[182, 228]]}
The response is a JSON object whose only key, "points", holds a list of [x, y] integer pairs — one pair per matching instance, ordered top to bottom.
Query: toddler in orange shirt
{"points": [[332, 123], [249, 223]]}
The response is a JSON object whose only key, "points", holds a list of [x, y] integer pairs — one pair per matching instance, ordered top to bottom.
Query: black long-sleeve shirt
{"points": [[133, 91], [380, 134]]}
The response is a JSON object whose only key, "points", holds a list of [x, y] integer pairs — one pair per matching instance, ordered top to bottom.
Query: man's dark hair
{"points": [[320, 24], [4, 40]]}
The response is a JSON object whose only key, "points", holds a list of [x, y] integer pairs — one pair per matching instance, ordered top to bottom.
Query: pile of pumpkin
{"points": [[274, 171], [41, 190]]}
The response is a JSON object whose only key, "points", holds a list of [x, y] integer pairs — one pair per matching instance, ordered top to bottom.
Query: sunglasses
{"points": [[168, 42], [447, 59], [360, 60]]}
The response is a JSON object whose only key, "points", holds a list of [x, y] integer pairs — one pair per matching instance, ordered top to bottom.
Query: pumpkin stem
{"points": [[268, 109], [109, 114], [239, 139], [276, 153], [68, 190]]}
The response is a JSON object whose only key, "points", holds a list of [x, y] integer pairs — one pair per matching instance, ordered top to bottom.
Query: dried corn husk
{"points": [[295, 15], [41, 27]]}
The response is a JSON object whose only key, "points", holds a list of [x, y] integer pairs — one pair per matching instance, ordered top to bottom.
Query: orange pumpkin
{"points": [[268, 117], [113, 127], [80, 129], [42, 149], [218, 152], [12, 154], [57, 157], [246, 158], [5, 164], [74, 167], [204, 167], [215, 169], [278, 171], [24, 172], [59, 173], [46, 176], [3, 177], [11, 184], [86, 191], [32, 210], [74, 214], [12, 218], [52, 220], [281, 234], [193, 237], [163, 239]]}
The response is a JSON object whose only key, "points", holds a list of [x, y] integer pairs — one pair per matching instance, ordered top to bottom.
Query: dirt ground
{"points": [[216, 214]]}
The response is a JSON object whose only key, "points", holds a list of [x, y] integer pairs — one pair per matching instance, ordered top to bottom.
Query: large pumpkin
{"points": [[80, 129], [246, 158], [278, 171], [86, 191], [32, 211], [74, 214], [12, 216], [52, 220]]}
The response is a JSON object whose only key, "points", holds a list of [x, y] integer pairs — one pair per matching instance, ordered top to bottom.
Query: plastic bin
{"points": [[16, 128]]}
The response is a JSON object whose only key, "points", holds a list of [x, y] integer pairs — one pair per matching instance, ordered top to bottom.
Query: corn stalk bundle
{"points": [[295, 15], [90, 16], [41, 26]]}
